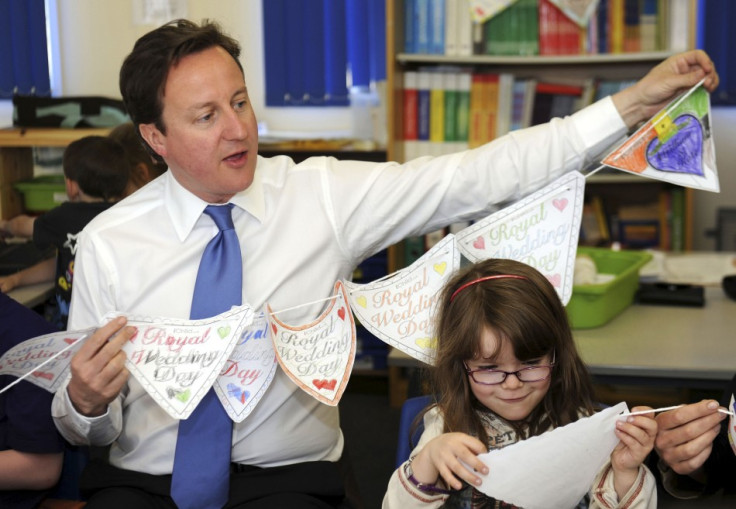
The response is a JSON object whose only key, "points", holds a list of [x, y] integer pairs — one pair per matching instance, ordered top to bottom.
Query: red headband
{"points": [[481, 279]]}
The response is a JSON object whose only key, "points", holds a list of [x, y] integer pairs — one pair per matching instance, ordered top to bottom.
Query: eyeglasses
{"points": [[487, 376]]}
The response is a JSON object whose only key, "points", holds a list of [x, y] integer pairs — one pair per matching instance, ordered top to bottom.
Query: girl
{"points": [[507, 369]]}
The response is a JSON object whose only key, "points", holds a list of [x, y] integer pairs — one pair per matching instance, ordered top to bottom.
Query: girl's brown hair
{"points": [[527, 313]]}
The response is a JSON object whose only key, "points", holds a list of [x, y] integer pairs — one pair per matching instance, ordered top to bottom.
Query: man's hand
{"points": [[663, 83], [98, 368], [685, 436]]}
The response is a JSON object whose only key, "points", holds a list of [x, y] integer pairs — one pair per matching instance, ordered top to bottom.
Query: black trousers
{"points": [[317, 485]]}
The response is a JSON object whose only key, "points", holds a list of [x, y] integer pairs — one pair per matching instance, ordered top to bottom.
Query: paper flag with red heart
{"points": [[580, 11], [676, 145], [540, 230], [399, 310], [318, 356], [44, 360], [177, 361], [248, 372]]}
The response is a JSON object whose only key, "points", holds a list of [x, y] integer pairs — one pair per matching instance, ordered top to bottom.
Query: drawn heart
{"points": [[682, 152], [560, 204], [479, 243], [440, 268], [556, 279], [362, 301], [341, 313], [274, 329], [223, 331], [70, 341], [426, 342], [43, 374], [325, 384], [237, 393], [183, 396]]}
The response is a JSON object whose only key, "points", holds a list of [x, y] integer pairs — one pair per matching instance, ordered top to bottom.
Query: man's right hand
{"points": [[98, 368], [685, 436]]}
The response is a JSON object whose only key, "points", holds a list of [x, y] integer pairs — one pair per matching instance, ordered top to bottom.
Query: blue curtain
{"points": [[716, 35], [312, 46], [24, 66]]}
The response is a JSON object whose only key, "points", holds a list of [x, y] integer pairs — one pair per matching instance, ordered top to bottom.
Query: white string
{"points": [[596, 170], [44, 363], [664, 409]]}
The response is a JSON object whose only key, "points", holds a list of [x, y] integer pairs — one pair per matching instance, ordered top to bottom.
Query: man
{"points": [[301, 227], [695, 456]]}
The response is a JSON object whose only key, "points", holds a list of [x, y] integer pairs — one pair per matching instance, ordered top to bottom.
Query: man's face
{"points": [[211, 139]]}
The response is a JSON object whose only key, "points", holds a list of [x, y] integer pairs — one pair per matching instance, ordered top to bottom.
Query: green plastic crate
{"points": [[42, 193], [595, 305]]}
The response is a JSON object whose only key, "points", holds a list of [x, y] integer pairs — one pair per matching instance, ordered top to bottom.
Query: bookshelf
{"points": [[587, 71]]}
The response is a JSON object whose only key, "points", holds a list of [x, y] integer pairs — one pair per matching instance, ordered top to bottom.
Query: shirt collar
{"points": [[184, 208]]}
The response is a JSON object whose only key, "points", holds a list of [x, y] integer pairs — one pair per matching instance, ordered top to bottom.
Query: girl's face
{"points": [[512, 399]]}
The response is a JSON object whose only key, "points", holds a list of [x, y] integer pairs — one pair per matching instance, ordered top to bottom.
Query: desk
{"points": [[33, 295], [653, 346]]}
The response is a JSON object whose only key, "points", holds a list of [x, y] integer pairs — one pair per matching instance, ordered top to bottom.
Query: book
{"points": [[632, 21], [679, 25], [616, 26], [648, 26], [422, 27], [437, 27], [452, 27], [464, 29], [410, 34], [464, 79], [451, 87], [554, 100], [505, 104], [436, 111], [423, 113], [410, 115]]}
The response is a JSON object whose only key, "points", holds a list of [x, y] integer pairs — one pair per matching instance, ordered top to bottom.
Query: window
{"points": [[717, 37], [316, 51], [24, 66]]}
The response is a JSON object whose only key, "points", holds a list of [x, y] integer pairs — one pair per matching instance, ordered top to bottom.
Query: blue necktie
{"points": [[201, 476]]}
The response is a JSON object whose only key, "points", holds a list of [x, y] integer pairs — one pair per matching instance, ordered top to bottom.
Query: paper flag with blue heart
{"points": [[675, 146], [540, 230], [399, 309], [318, 356], [43, 360], [177, 361], [248, 372], [563, 463]]}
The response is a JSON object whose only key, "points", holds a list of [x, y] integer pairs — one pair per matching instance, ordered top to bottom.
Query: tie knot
{"points": [[221, 215]]}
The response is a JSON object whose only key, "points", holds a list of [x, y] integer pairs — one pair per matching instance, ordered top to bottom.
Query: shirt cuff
{"points": [[598, 123], [79, 429], [679, 486]]}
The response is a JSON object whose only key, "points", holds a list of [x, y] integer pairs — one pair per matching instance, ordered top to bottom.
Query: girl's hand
{"points": [[636, 434], [441, 458]]}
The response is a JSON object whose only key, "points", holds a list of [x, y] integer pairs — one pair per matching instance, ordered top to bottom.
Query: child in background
{"points": [[143, 167], [96, 175], [507, 369], [31, 450]]}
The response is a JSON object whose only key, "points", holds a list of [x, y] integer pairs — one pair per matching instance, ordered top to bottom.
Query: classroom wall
{"points": [[96, 36]]}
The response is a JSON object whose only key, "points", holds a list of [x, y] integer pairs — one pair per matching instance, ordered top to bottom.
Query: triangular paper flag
{"points": [[483, 10], [579, 11], [676, 145], [540, 230], [400, 310], [318, 356], [44, 360], [177, 361], [248, 372], [732, 425], [563, 463]]}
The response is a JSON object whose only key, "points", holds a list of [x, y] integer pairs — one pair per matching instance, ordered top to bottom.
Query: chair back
{"points": [[407, 440]]}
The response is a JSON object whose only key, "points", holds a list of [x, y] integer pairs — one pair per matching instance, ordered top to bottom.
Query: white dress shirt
{"points": [[301, 227]]}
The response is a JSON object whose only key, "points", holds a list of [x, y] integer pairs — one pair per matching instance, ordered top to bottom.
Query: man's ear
{"points": [[154, 138]]}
